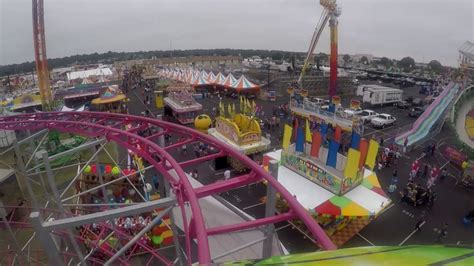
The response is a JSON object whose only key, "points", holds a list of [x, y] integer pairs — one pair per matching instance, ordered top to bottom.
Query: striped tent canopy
{"points": [[204, 74], [211, 79], [219, 79], [229, 80], [200, 81], [244, 84]]}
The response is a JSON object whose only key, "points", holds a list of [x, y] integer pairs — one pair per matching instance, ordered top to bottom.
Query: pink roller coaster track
{"points": [[111, 126]]}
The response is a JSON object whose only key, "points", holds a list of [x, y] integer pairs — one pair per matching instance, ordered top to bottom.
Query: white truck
{"points": [[380, 95], [367, 115], [383, 120]]}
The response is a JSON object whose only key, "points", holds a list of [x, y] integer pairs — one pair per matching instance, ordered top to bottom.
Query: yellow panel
{"points": [[287, 136], [309, 138], [372, 154], [352, 165], [167, 233]]}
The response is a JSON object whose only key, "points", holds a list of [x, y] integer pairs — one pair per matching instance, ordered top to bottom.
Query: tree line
{"points": [[110, 57]]}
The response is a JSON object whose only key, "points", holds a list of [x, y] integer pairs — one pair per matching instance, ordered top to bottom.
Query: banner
{"points": [[308, 132], [287, 136], [300, 140], [316, 144], [332, 154], [372, 154], [352, 164]]}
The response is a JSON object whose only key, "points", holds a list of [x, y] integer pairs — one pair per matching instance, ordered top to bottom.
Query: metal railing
{"points": [[307, 105]]}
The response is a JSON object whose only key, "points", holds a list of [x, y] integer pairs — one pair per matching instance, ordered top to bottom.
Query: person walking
{"points": [[405, 145], [433, 149], [426, 169]]}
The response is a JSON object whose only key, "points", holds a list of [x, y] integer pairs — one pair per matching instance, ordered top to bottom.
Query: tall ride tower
{"points": [[333, 13], [40, 54]]}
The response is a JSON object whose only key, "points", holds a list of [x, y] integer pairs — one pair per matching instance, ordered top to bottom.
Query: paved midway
{"points": [[392, 227]]}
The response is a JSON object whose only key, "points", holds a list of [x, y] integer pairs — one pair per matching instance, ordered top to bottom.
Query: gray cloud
{"points": [[423, 29]]}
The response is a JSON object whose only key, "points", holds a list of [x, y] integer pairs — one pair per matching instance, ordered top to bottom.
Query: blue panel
{"points": [[332, 108], [324, 130], [300, 140], [355, 140], [332, 154]]}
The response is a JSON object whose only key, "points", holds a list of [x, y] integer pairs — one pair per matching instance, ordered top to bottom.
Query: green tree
{"points": [[346, 58], [364, 60], [386, 62], [407, 63], [435, 66]]}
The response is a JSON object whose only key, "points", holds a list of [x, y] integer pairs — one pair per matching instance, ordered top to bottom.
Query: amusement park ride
{"points": [[330, 13], [40, 54], [117, 217]]}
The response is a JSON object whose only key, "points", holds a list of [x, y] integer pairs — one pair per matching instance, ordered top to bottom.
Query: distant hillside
{"points": [[110, 57]]}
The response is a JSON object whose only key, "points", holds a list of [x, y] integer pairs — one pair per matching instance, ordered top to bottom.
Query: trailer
{"points": [[380, 95]]}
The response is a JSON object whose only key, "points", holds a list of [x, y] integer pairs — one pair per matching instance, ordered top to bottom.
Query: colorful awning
{"points": [[229, 80], [244, 84]]}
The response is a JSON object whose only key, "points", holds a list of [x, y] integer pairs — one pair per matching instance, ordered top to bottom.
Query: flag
{"points": [[241, 104], [254, 107], [233, 109], [287, 136], [308, 138]]}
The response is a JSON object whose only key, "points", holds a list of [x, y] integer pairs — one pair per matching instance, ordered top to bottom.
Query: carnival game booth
{"points": [[112, 100], [182, 106], [243, 133], [339, 189]]}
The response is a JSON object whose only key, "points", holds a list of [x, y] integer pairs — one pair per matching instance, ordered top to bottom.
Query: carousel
{"points": [[112, 100]]}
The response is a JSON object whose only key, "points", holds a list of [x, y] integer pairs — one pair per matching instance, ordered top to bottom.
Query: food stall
{"points": [[182, 106], [243, 133]]}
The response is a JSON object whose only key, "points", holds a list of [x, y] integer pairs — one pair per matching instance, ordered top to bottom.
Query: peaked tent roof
{"points": [[204, 74], [211, 79], [219, 79], [200, 80], [229, 80], [243, 84]]}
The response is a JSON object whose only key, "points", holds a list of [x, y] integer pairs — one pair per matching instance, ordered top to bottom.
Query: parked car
{"points": [[402, 105], [351, 112], [416, 112], [367, 115], [383, 120]]}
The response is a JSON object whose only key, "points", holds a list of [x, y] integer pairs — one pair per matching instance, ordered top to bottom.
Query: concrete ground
{"points": [[394, 226]]}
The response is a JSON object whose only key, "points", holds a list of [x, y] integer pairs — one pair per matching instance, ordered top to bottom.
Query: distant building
{"points": [[466, 57]]}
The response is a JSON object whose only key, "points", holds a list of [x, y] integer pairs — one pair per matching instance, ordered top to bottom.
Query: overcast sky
{"points": [[422, 29]]}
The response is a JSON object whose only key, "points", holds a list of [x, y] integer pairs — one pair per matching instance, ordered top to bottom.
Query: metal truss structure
{"points": [[57, 228]]}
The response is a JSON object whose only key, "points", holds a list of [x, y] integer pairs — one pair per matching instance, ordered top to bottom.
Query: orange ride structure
{"points": [[40, 54]]}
